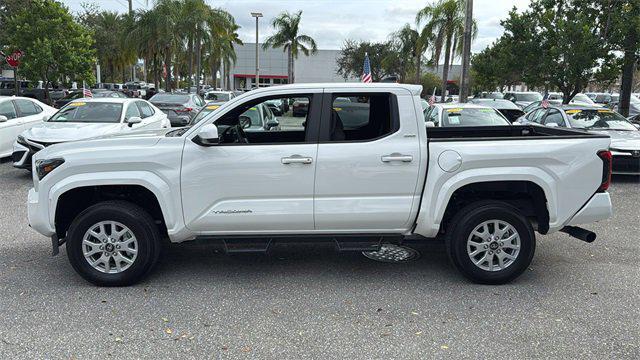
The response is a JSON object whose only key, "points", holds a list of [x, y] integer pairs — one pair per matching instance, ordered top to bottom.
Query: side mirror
{"points": [[3, 118], [134, 120], [245, 121], [430, 124], [207, 135]]}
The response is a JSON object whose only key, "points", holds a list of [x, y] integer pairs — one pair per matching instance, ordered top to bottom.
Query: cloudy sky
{"points": [[329, 22]]}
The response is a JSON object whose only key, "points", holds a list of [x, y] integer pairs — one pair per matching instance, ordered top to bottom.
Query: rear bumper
{"points": [[596, 209]]}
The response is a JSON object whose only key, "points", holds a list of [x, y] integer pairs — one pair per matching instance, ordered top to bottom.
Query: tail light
{"points": [[187, 109], [606, 157]]}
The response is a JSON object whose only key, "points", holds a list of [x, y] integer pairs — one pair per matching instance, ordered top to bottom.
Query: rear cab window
{"points": [[356, 117]]}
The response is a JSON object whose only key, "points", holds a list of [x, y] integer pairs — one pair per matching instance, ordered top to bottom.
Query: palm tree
{"points": [[194, 15], [444, 21], [287, 27], [409, 41], [219, 43]]}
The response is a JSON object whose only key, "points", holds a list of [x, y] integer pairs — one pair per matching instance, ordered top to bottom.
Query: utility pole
{"points": [[257, 15], [466, 51]]}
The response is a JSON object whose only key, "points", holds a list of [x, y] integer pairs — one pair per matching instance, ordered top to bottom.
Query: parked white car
{"points": [[18, 114], [461, 115], [84, 119], [356, 177]]}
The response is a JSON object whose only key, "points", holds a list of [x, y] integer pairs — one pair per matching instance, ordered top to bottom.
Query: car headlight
{"points": [[21, 140], [44, 167]]}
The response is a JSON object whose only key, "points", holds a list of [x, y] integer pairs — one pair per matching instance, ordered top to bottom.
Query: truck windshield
{"points": [[89, 112], [473, 117], [603, 119]]}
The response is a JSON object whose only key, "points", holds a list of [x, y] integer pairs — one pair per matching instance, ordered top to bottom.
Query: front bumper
{"points": [[596, 209], [38, 214]]}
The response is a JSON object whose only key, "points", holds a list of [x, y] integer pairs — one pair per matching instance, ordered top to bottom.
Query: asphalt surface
{"points": [[577, 300]]}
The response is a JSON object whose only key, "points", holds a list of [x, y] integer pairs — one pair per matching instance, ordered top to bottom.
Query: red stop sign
{"points": [[14, 58]]}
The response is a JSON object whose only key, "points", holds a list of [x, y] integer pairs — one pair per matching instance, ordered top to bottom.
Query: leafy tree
{"points": [[444, 21], [618, 22], [109, 29], [287, 36], [55, 45], [219, 45], [407, 49], [351, 59], [496, 66], [430, 81]]}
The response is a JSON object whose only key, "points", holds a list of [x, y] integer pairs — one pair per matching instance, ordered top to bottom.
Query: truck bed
{"points": [[512, 132]]}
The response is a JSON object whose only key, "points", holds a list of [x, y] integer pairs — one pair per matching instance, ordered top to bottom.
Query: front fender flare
{"points": [[169, 202]]}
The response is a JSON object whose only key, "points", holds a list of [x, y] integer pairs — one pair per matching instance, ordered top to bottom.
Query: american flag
{"points": [[366, 72], [87, 92], [545, 100]]}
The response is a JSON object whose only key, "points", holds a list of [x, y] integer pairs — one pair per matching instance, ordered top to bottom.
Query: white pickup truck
{"points": [[356, 167]]}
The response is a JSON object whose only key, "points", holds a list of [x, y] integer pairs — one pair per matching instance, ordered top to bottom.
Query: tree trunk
{"points": [[190, 50], [198, 64], [290, 65], [167, 66], [418, 68], [445, 70], [627, 73], [47, 97]]}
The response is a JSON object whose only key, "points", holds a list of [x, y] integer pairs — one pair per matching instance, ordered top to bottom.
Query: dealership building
{"points": [[319, 67]]}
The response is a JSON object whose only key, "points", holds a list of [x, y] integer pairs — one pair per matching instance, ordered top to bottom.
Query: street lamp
{"points": [[257, 15]]}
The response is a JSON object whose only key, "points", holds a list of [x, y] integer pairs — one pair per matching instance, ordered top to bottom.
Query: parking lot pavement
{"points": [[577, 300]]}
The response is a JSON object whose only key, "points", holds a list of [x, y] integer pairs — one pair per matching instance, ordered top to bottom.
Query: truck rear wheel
{"points": [[490, 242], [113, 243]]}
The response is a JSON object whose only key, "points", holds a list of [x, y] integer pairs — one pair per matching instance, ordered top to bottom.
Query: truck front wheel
{"points": [[490, 242], [113, 243]]}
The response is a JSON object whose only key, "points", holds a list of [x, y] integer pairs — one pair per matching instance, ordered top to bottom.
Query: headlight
{"points": [[22, 141], [44, 167]]}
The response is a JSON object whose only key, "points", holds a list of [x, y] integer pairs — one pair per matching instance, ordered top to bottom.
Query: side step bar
{"points": [[580, 233], [261, 244]]}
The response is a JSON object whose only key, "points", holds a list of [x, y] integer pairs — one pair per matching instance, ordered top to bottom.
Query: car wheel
{"points": [[490, 242], [113, 243]]}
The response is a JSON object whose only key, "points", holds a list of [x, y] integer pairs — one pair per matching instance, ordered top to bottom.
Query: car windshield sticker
{"points": [[78, 104], [213, 107], [454, 110], [573, 111], [605, 111]]}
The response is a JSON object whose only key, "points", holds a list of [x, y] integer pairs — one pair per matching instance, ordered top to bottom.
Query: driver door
{"points": [[257, 181]]}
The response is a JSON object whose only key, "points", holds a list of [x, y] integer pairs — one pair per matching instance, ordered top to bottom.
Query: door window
{"points": [[27, 108], [7, 109], [145, 109], [132, 110], [536, 115], [361, 117], [554, 117], [254, 123]]}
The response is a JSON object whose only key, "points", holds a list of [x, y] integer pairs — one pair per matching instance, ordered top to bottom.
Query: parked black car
{"points": [[180, 108]]}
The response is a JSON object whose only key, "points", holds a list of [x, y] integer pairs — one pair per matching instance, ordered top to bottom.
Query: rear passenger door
{"points": [[367, 162]]}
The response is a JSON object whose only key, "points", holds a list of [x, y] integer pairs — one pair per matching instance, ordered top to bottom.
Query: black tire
{"points": [[128, 214], [471, 216]]}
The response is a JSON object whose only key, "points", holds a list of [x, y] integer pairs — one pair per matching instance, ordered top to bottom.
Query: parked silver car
{"points": [[625, 136]]}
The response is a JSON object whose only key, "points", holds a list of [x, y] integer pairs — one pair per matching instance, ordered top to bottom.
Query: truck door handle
{"points": [[396, 157], [296, 159]]}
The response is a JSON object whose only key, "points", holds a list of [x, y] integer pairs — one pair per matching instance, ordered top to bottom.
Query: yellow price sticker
{"points": [[78, 103], [213, 107], [253, 108], [337, 109], [573, 111], [605, 111]]}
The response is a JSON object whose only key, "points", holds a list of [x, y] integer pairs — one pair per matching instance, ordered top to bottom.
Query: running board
{"points": [[261, 244]]}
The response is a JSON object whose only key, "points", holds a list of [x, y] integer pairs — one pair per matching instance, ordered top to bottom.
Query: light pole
{"points": [[257, 15]]}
